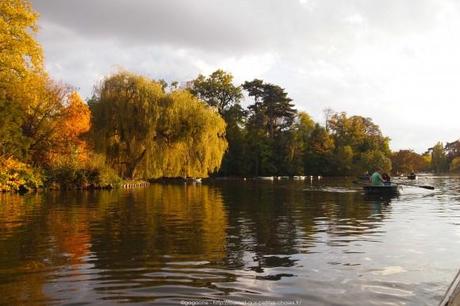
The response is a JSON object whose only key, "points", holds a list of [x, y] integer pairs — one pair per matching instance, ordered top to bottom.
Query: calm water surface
{"points": [[311, 243]]}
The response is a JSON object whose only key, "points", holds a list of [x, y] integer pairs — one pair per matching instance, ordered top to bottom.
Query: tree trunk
{"points": [[132, 165]]}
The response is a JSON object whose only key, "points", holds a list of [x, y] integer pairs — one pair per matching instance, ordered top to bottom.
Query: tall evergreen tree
{"points": [[272, 109], [271, 117]]}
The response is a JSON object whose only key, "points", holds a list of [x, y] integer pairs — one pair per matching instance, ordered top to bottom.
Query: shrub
{"points": [[91, 173], [16, 176]]}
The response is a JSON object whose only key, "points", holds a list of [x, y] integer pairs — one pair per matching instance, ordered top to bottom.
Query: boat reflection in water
{"points": [[384, 190], [379, 201]]}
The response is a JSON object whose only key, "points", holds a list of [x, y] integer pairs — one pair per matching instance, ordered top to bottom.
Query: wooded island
{"points": [[134, 127]]}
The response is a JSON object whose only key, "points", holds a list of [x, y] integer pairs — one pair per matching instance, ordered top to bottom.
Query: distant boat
{"points": [[412, 176], [265, 178], [192, 180], [381, 190]]}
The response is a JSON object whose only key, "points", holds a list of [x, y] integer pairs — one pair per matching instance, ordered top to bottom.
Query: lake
{"points": [[319, 242]]}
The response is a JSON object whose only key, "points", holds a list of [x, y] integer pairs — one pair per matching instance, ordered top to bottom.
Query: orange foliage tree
{"points": [[74, 121]]}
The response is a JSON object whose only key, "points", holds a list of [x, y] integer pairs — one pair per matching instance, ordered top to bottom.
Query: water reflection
{"points": [[232, 240], [23, 274]]}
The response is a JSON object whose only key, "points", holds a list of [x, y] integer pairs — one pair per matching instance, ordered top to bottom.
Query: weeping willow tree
{"points": [[125, 110], [146, 133], [191, 137]]}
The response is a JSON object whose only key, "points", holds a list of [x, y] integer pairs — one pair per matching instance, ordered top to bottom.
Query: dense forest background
{"points": [[134, 127]]}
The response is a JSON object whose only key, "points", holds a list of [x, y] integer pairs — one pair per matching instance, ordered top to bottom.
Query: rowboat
{"points": [[412, 177], [392, 189], [452, 295]]}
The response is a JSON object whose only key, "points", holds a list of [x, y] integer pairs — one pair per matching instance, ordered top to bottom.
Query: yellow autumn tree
{"points": [[20, 53], [20, 57], [125, 110], [146, 133], [195, 141]]}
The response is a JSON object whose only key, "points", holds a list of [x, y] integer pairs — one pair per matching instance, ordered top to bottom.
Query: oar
{"points": [[360, 183], [419, 186]]}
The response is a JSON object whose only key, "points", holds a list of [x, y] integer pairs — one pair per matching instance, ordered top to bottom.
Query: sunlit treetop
{"points": [[20, 53]]}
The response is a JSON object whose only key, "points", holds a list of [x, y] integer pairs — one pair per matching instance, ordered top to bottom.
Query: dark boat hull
{"points": [[411, 177], [381, 190], [452, 295]]}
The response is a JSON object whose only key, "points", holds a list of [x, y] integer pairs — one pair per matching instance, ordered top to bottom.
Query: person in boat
{"points": [[366, 176], [376, 178], [386, 179]]}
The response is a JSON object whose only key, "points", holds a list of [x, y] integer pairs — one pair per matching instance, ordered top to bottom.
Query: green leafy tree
{"points": [[217, 90], [358, 132], [360, 137], [294, 144], [260, 154], [319, 156], [344, 159], [373, 160], [439, 161], [235, 162]]}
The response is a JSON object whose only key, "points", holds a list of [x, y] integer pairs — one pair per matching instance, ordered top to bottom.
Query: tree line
{"points": [[134, 127], [271, 137]]}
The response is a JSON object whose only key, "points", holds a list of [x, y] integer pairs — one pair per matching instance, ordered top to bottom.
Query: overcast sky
{"points": [[396, 61]]}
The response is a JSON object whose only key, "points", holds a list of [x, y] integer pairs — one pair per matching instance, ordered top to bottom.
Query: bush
{"points": [[93, 173], [18, 176]]}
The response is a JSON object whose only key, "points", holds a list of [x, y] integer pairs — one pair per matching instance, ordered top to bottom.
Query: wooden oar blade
{"points": [[419, 186], [426, 187]]}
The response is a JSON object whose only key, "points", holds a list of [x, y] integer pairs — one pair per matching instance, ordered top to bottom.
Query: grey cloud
{"points": [[210, 25], [237, 25]]}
